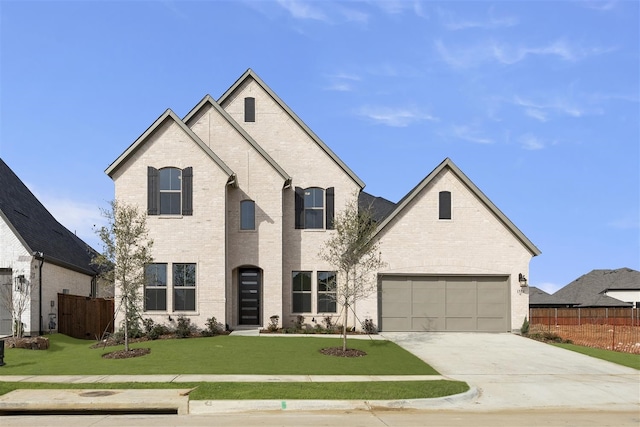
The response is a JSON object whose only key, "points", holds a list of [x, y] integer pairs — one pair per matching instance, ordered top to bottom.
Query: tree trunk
{"points": [[126, 323], [344, 327]]}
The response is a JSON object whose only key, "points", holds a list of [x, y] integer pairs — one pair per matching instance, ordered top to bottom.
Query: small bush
{"points": [[328, 322], [297, 323], [368, 326], [213, 327], [185, 329], [524, 330], [156, 331]]}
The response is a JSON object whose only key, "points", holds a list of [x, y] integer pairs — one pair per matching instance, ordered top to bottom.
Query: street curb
{"points": [[205, 407]]}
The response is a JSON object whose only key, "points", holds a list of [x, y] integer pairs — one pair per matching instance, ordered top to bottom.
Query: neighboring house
{"points": [[240, 197], [39, 254], [599, 288]]}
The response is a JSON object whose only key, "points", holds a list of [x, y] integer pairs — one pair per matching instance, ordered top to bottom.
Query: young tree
{"points": [[126, 252], [355, 256], [15, 298]]}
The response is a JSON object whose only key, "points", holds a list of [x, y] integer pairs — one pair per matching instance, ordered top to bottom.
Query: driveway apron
{"points": [[513, 372]]}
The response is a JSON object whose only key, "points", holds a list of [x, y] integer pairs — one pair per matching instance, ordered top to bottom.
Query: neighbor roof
{"points": [[251, 74], [448, 164], [379, 207], [37, 229], [588, 290], [540, 298]]}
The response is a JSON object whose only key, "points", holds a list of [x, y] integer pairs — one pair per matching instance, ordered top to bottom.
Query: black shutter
{"points": [[249, 109], [153, 191], [187, 191], [329, 193], [444, 205], [299, 207]]}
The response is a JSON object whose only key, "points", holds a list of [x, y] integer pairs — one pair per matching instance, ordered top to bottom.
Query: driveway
{"points": [[513, 372]]}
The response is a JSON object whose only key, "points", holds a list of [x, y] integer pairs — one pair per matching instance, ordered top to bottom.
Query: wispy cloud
{"points": [[600, 5], [397, 7], [303, 10], [454, 23], [491, 51], [342, 82], [542, 111], [395, 117], [471, 133], [530, 142], [629, 222], [548, 287]]}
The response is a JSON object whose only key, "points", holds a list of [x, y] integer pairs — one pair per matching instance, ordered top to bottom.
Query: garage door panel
{"points": [[445, 303]]}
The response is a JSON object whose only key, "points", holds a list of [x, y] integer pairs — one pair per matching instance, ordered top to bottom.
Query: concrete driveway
{"points": [[513, 372]]}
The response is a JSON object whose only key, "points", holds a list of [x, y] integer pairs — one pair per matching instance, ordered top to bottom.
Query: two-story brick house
{"points": [[240, 196]]}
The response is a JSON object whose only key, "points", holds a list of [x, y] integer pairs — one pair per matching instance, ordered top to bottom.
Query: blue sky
{"points": [[537, 102]]}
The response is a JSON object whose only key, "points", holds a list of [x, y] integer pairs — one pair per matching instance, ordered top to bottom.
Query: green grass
{"points": [[217, 355], [625, 359], [388, 390]]}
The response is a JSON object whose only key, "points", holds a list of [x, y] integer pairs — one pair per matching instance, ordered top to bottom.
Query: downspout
{"points": [[40, 256]]}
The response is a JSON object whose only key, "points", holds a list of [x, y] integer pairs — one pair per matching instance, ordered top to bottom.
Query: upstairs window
{"points": [[249, 109], [169, 191], [444, 205], [314, 208], [247, 215]]}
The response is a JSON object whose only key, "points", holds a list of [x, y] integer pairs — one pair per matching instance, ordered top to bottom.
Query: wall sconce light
{"points": [[522, 279], [20, 283]]}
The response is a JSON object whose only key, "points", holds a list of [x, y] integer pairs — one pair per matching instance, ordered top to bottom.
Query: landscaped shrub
{"points": [[297, 324], [368, 326], [213, 328], [185, 329], [524, 330], [157, 331]]}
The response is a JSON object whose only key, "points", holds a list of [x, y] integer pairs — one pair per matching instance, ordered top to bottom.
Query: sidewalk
{"points": [[177, 400]]}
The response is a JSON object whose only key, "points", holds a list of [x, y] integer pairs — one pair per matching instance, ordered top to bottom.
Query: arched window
{"points": [[169, 191], [444, 205], [314, 208], [247, 215]]}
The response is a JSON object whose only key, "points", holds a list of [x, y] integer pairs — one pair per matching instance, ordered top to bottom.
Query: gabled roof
{"points": [[250, 74], [208, 100], [169, 115], [448, 164], [379, 207], [37, 229], [588, 290], [540, 298]]}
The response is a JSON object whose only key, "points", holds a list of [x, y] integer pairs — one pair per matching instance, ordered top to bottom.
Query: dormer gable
{"points": [[250, 112]]}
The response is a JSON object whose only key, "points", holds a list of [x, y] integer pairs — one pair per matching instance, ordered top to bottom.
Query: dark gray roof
{"points": [[379, 206], [37, 228], [588, 290], [540, 298]]}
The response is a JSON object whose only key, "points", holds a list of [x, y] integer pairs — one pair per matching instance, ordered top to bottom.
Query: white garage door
{"points": [[445, 303]]}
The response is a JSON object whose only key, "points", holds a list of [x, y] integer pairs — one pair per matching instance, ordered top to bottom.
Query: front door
{"points": [[249, 288]]}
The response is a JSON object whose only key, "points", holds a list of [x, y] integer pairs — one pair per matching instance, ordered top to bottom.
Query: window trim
{"points": [[249, 109]]}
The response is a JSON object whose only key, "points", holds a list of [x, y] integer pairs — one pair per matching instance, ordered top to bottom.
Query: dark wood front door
{"points": [[249, 288]]}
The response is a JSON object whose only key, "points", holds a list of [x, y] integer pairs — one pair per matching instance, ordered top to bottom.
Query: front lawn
{"points": [[216, 355], [625, 359], [387, 390]]}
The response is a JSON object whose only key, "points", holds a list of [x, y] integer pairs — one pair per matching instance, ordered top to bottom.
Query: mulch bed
{"points": [[337, 351], [124, 354]]}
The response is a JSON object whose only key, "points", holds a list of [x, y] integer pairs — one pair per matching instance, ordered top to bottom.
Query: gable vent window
{"points": [[249, 109], [169, 191], [444, 205], [314, 208], [247, 215]]}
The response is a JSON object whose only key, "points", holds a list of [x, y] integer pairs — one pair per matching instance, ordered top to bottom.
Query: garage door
{"points": [[444, 303]]}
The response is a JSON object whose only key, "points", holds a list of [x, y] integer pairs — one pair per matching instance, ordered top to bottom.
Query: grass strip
{"points": [[217, 355], [624, 359], [380, 390]]}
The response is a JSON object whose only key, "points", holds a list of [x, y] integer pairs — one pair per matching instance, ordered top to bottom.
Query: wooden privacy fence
{"points": [[576, 316], [84, 317]]}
